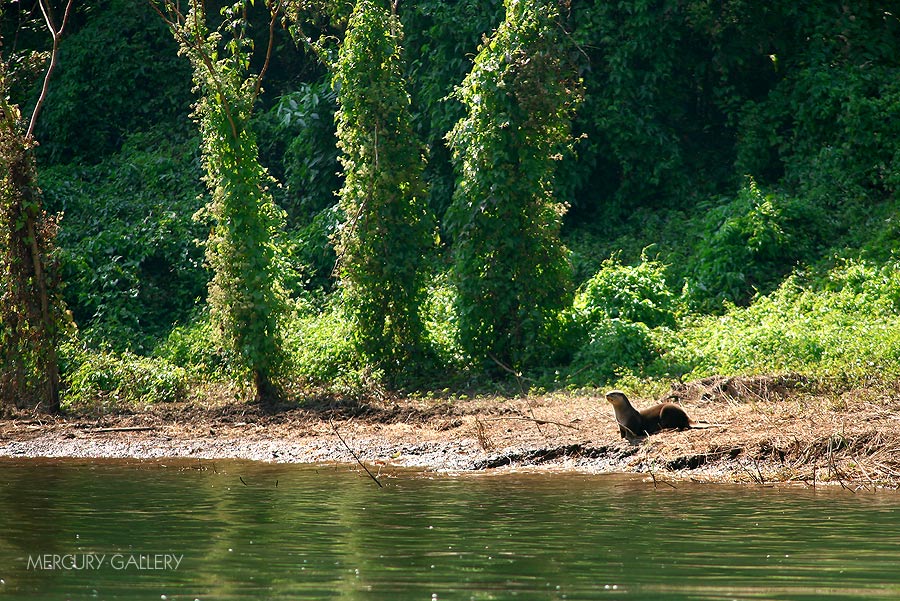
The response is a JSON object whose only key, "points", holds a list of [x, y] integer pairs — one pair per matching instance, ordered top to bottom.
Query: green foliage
{"points": [[316, 22], [442, 37], [27, 52], [118, 75], [626, 101], [681, 101], [828, 124], [656, 131], [298, 134], [298, 137], [298, 141], [311, 159], [750, 243], [382, 244], [128, 246], [311, 251], [511, 270], [633, 294], [245, 296], [619, 322], [442, 323], [845, 327], [194, 347], [613, 348], [322, 352], [104, 381]]}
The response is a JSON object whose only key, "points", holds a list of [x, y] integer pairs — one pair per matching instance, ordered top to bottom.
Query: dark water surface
{"points": [[75, 530]]}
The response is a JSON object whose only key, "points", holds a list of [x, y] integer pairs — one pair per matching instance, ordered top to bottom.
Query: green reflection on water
{"points": [[256, 531]]}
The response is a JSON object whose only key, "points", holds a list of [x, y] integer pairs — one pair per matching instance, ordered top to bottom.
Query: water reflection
{"points": [[274, 531]]}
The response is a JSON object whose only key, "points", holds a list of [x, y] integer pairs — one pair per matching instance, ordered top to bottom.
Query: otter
{"points": [[663, 416]]}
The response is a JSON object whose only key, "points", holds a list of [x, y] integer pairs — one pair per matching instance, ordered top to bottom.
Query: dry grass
{"points": [[786, 429]]}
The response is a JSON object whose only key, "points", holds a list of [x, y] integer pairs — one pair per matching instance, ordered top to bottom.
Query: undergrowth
{"points": [[844, 326], [626, 328], [106, 381]]}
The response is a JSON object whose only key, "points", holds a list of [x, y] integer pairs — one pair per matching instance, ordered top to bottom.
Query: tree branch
{"points": [[57, 35], [197, 46], [265, 66], [542, 422], [355, 456]]}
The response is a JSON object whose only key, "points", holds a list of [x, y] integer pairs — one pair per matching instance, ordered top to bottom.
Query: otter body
{"points": [[634, 423]]}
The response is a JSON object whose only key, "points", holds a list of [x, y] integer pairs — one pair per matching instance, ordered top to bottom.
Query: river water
{"points": [[240, 530]]}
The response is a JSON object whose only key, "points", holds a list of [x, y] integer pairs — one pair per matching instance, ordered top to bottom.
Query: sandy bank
{"points": [[776, 430]]}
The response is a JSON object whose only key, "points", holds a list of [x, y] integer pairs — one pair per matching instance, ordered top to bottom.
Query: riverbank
{"points": [[773, 430]]}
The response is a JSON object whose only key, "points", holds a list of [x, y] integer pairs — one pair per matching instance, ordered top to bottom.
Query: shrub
{"points": [[749, 244], [633, 294], [442, 322], [619, 322], [846, 326], [194, 348], [613, 348], [321, 352], [105, 381]]}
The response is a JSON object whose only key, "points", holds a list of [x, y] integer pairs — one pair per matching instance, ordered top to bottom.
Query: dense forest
{"points": [[267, 199]]}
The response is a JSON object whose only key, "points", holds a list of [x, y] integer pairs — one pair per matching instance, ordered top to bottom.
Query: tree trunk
{"points": [[30, 310]]}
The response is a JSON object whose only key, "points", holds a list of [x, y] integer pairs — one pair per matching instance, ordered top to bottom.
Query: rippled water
{"points": [[259, 531]]}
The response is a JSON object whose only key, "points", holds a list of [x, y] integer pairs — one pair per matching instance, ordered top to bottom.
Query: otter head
{"points": [[617, 398]]}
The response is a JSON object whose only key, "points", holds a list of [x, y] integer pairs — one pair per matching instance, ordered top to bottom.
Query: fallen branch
{"points": [[518, 376], [541, 422], [124, 429], [341, 438], [483, 440], [833, 469], [863, 470], [758, 471], [754, 477], [655, 481]]}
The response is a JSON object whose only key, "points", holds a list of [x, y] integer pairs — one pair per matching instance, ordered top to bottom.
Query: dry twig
{"points": [[531, 419], [355, 456]]}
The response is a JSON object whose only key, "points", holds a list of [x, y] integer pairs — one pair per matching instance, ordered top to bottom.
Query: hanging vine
{"points": [[381, 245], [512, 271], [246, 298]]}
